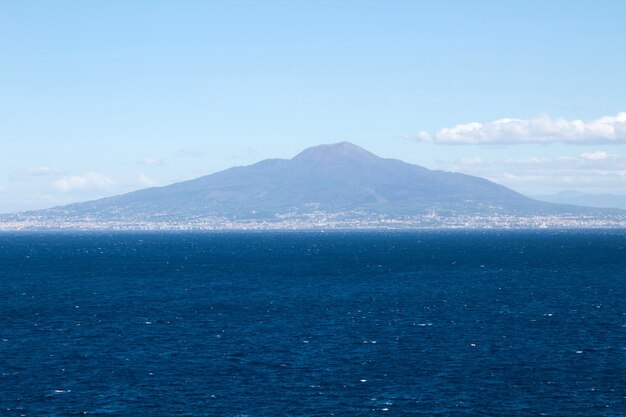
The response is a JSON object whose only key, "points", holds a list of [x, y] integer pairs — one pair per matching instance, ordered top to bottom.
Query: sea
{"points": [[316, 323]]}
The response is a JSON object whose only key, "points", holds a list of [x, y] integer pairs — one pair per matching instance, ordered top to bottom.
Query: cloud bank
{"points": [[604, 130], [151, 161], [598, 171], [90, 180]]}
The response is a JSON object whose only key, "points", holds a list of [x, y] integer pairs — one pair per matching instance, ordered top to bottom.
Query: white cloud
{"points": [[606, 129], [424, 136], [190, 153], [597, 156], [475, 160], [151, 161], [39, 171], [597, 171], [88, 181], [145, 181], [68, 189]]}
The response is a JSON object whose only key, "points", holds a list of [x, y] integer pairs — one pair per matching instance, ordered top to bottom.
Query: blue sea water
{"points": [[468, 323]]}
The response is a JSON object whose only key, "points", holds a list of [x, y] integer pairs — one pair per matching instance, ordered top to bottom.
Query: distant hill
{"points": [[340, 178], [586, 199]]}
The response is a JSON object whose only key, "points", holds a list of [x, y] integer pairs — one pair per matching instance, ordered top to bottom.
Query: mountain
{"points": [[334, 177], [340, 180], [586, 199]]}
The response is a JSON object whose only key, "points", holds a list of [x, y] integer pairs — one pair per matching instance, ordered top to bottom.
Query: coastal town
{"points": [[318, 220]]}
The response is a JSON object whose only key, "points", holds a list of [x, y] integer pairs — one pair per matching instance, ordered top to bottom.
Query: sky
{"points": [[101, 98]]}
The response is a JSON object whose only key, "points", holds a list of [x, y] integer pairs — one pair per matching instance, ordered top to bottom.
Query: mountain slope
{"points": [[338, 177]]}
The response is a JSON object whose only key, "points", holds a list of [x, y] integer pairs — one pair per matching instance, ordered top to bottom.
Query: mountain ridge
{"points": [[340, 178]]}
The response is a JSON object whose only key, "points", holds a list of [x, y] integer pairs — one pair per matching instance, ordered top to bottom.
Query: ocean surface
{"points": [[467, 323]]}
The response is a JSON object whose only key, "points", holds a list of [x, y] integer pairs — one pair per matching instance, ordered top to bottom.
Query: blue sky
{"points": [[98, 98]]}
